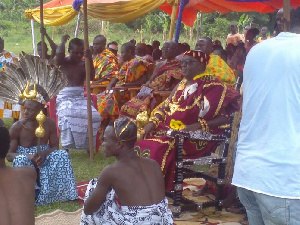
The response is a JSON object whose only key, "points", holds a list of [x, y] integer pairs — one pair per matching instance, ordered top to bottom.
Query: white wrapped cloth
{"points": [[71, 109], [111, 213]]}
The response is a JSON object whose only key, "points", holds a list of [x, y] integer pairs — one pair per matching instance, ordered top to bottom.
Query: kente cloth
{"points": [[106, 65], [219, 68], [166, 77], [205, 98], [108, 104], [71, 109], [8, 110], [56, 175], [111, 212]]}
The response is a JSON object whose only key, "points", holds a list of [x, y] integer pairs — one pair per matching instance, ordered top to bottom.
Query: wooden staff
{"points": [[287, 14], [173, 20], [42, 27], [88, 89]]}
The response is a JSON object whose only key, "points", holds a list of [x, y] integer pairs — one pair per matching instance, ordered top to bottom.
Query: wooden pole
{"points": [[287, 14], [173, 20], [42, 27], [87, 75]]}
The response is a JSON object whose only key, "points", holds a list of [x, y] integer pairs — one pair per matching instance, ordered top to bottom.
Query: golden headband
{"points": [[32, 94], [123, 130]]}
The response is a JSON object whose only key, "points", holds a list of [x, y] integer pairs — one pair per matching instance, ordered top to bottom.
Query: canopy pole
{"points": [[183, 3], [287, 14], [173, 19], [77, 24], [42, 27], [33, 36], [87, 75]]}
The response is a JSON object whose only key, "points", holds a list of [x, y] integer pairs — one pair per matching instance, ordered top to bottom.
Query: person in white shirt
{"points": [[267, 166]]}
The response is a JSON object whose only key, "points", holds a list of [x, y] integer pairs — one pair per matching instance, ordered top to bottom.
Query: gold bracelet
{"points": [[160, 113], [154, 120], [204, 125]]}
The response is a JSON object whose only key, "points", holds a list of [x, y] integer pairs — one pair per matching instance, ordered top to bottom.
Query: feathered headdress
{"points": [[30, 79]]}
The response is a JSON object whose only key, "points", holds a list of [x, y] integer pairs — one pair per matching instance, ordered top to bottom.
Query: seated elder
{"points": [[132, 73], [165, 77], [199, 101], [16, 188], [130, 191]]}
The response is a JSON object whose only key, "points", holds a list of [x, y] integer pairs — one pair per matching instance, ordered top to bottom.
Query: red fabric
{"points": [[223, 6], [161, 148]]}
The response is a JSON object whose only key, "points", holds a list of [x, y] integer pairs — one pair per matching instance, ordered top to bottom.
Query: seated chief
{"points": [[199, 101]]}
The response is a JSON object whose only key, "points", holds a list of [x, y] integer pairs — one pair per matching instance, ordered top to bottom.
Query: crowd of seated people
{"points": [[199, 94]]}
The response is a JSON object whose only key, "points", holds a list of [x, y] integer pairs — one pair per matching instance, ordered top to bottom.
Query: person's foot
{"points": [[201, 191], [236, 209], [244, 221]]}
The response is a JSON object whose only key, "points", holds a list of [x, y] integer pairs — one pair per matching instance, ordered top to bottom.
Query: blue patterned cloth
{"points": [[56, 175]]}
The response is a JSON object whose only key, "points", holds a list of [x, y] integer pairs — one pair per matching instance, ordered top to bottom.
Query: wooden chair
{"points": [[97, 88], [184, 169]]}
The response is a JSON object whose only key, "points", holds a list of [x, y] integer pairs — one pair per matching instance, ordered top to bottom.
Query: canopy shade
{"points": [[226, 6], [59, 12]]}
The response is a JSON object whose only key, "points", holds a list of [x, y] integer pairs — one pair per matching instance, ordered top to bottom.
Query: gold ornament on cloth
{"points": [[32, 94], [142, 120], [177, 124], [40, 131]]}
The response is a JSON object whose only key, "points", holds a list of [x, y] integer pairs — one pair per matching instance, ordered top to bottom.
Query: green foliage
{"points": [[217, 30]]}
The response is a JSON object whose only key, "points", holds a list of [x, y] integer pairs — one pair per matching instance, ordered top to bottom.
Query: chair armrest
{"points": [[196, 135]]}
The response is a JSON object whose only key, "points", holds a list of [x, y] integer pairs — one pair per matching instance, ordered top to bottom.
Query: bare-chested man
{"points": [[71, 105], [56, 177], [134, 182], [16, 189]]}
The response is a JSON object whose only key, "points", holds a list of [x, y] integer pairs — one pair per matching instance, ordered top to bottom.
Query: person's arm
{"points": [[51, 42], [60, 51], [154, 72], [138, 82], [112, 83], [213, 123], [150, 127], [13, 133], [53, 143], [94, 201]]}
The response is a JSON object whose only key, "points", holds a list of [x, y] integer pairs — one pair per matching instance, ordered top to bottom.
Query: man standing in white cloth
{"points": [[71, 105], [267, 166], [130, 191]]}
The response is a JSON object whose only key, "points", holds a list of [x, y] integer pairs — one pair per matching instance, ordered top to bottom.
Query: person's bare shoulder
{"points": [[50, 123], [16, 128]]}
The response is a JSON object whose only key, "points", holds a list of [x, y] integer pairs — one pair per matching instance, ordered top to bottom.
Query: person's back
{"points": [[267, 167], [138, 181], [16, 188], [130, 190], [17, 196]]}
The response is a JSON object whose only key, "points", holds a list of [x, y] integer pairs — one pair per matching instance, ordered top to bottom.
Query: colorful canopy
{"points": [[226, 6], [59, 12]]}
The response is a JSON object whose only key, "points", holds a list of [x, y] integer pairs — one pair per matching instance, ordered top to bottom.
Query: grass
{"points": [[84, 170]]}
